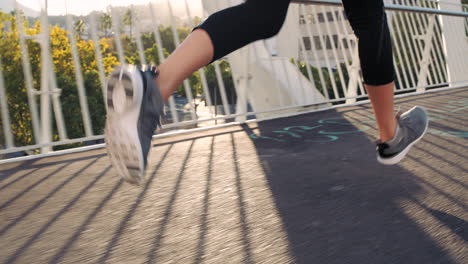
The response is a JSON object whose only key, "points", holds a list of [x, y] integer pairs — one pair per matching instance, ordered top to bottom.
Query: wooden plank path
{"points": [[304, 189]]}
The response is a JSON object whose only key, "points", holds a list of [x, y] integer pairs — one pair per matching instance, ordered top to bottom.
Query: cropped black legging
{"points": [[235, 27]]}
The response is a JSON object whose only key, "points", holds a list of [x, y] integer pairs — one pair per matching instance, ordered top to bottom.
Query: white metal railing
{"points": [[326, 54]]}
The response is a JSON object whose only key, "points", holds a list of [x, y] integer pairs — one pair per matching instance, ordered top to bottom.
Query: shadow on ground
{"points": [[305, 189], [337, 203]]}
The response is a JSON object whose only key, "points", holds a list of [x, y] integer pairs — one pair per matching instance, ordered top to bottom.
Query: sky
{"points": [[83, 7]]}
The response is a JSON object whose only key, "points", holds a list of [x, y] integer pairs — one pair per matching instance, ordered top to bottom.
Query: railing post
{"points": [[455, 42], [97, 51], [426, 55], [354, 77], [79, 78], [242, 88], [30, 91], [5, 113], [46, 124]]}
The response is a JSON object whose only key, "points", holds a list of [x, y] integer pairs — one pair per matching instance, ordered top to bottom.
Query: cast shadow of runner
{"points": [[338, 205]]}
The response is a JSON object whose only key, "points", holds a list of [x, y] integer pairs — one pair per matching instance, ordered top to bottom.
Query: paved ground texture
{"points": [[304, 189]]}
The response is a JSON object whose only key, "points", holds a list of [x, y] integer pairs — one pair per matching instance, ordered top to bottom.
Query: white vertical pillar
{"points": [[455, 43], [97, 51], [426, 56], [46, 68], [79, 77], [30, 91], [5, 113]]}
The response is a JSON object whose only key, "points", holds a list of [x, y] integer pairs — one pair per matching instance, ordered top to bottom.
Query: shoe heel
{"points": [[121, 79]]}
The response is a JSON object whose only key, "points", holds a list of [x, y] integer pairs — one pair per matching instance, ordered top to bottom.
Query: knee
{"points": [[364, 24]]}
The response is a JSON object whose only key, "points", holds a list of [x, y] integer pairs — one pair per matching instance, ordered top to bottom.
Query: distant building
{"points": [[326, 37]]}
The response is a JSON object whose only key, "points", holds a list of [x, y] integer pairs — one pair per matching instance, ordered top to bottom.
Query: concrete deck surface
{"points": [[304, 189]]}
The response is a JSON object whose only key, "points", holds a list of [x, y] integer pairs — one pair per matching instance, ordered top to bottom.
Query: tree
{"points": [[128, 20], [197, 20], [105, 24], [79, 27], [60, 48], [152, 55], [61, 56], [213, 86], [17, 101]]}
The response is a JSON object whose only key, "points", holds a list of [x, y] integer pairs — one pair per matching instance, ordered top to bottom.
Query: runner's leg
{"points": [[369, 23], [220, 34], [397, 134]]}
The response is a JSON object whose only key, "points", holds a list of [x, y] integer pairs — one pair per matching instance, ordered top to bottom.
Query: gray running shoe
{"points": [[134, 107], [411, 127]]}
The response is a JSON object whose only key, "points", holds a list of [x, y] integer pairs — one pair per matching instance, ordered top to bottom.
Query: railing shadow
{"points": [[8, 169], [29, 188], [304, 189], [56, 217], [123, 224], [456, 224], [201, 244], [63, 250]]}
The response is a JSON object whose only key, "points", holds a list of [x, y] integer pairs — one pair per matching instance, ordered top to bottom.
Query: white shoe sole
{"points": [[124, 98], [394, 160]]}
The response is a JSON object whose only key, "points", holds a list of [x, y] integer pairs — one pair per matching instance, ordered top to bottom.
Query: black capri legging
{"points": [[235, 27]]}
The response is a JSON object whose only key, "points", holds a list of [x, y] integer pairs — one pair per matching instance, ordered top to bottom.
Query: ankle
{"points": [[165, 93], [389, 132], [385, 138]]}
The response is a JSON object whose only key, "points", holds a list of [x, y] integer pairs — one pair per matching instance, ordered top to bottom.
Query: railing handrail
{"points": [[391, 7]]}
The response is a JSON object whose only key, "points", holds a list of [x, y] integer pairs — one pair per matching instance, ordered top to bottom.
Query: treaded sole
{"points": [[125, 93], [395, 159]]}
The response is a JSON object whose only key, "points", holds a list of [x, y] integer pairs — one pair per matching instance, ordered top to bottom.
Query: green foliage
{"points": [[128, 20], [105, 24], [79, 27], [167, 37], [60, 48], [152, 55], [13, 73], [65, 75], [327, 78], [213, 86]]}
